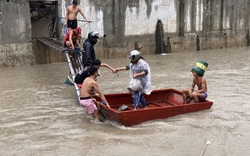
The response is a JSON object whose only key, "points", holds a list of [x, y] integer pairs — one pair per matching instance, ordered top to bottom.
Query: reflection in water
{"points": [[39, 114]]}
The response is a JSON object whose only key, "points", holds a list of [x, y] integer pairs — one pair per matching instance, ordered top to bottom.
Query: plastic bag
{"points": [[135, 85]]}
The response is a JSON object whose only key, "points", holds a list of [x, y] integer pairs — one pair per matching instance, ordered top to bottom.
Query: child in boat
{"points": [[139, 69], [90, 85], [200, 94]]}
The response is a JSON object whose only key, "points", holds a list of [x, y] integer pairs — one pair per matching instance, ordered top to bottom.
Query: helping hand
{"points": [[113, 70], [116, 71]]}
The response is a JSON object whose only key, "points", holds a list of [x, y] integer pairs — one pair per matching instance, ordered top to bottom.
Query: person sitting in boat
{"points": [[73, 38], [139, 69], [81, 76], [89, 86], [197, 95]]}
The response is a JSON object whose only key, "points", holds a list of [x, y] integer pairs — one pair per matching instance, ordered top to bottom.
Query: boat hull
{"points": [[162, 104]]}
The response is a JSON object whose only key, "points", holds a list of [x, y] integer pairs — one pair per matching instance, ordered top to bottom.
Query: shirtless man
{"points": [[71, 15], [90, 85], [198, 95]]}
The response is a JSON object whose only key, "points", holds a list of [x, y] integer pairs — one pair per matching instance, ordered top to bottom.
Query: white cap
{"points": [[95, 33], [133, 53], [134, 56]]}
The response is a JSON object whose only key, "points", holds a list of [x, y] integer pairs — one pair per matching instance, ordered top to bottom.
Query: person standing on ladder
{"points": [[71, 15], [89, 51]]}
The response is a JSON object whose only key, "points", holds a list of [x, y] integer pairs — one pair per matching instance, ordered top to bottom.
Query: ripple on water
{"points": [[40, 114]]}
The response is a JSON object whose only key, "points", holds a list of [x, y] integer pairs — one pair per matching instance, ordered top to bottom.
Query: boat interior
{"points": [[157, 99]]}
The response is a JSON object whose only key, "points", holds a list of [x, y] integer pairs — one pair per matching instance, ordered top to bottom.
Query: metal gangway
{"points": [[74, 59]]}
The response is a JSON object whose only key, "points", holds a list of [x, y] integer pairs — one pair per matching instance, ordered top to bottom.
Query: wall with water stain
{"points": [[186, 23], [15, 33]]}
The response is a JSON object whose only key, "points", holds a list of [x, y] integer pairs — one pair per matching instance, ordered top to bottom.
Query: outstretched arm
{"points": [[83, 15], [108, 66], [122, 68]]}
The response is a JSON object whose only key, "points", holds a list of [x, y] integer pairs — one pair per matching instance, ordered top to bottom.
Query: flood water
{"points": [[40, 115]]}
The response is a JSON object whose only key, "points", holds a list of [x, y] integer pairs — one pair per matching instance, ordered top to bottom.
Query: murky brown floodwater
{"points": [[39, 114]]}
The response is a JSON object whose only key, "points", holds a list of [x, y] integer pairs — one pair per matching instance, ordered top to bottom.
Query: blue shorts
{"points": [[204, 96]]}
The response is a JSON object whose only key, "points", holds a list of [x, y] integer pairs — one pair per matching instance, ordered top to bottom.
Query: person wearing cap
{"points": [[71, 15], [73, 38], [89, 51], [139, 69], [200, 94]]}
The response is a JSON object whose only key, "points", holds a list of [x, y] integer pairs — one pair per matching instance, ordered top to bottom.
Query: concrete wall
{"points": [[129, 24], [219, 24], [15, 33], [44, 54]]}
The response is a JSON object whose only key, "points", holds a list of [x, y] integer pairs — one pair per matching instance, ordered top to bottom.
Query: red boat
{"points": [[161, 104]]}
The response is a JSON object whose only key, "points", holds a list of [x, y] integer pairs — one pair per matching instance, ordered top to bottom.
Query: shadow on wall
{"points": [[44, 54]]}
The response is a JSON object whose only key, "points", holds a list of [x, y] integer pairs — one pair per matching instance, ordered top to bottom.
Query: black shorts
{"points": [[72, 24], [74, 42]]}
